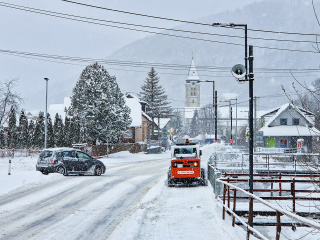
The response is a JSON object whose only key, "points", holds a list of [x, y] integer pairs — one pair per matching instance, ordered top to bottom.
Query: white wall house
{"points": [[283, 126]]}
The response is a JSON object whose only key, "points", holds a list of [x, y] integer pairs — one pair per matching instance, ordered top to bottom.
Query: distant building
{"points": [[192, 100], [60, 109], [140, 127]]}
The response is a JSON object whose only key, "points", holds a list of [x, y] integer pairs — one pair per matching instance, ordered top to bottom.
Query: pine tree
{"points": [[154, 94], [99, 105], [176, 123], [194, 127], [12, 129], [31, 129], [23, 130], [75, 130], [58, 131], [67, 132], [50, 135], [38, 136], [2, 139]]}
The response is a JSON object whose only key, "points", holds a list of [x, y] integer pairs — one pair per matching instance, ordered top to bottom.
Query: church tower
{"points": [[192, 87], [192, 101]]}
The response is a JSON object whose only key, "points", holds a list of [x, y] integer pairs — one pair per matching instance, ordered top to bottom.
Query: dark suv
{"points": [[68, 161]]}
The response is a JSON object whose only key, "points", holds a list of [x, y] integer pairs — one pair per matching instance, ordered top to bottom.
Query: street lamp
{"points": [[250, 59], [214, 102], [230, 115], [45, 121]]}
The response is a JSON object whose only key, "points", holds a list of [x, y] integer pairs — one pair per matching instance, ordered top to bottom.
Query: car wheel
{"points": [[61, 170], [98, 171], [45, 173]]}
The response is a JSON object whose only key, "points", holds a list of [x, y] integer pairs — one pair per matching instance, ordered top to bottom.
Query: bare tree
{"points": [[8, 99]]}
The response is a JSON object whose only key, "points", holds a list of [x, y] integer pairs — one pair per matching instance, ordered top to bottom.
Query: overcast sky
{"points": [[30, 32]]}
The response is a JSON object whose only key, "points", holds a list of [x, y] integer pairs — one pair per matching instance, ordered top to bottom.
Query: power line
{"points": [[76, 18], [185, 21], [161, 66]]}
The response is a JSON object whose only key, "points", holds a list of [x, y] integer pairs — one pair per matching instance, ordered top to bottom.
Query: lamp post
{"points": [[250, 79], [214, 106], [230, 115], [236, 119], [45, 121]]}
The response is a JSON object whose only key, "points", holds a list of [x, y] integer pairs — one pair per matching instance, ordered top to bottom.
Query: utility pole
{"points": [[214, 106], [215, 114], [230, 115], [236, 119], [255, 119]]}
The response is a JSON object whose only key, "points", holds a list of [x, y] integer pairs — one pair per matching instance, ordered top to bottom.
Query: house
{"points": [[286, 126], [140, 128]]}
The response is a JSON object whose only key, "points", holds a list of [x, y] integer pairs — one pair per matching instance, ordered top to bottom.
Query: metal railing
{"points": [[266, 161], [219, 184]]}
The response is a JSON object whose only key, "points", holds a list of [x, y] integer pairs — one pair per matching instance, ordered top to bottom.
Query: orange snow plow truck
{"points": [[185, 169]]}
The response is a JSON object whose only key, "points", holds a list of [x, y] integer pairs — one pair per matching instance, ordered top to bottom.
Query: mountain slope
{"points": [[288, 16]]}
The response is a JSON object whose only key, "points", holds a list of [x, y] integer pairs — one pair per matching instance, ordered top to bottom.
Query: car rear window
{"points": [[46, 153]]}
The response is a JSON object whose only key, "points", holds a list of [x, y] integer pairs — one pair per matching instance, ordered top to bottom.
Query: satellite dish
{"points": [[238, 71]]}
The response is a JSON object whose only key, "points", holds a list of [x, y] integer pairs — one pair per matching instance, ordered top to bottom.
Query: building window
{"points": [[193, 91], [283, 121], [295, 121]]}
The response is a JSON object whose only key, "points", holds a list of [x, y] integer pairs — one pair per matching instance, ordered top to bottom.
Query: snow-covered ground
{"points": [[130, 201]]}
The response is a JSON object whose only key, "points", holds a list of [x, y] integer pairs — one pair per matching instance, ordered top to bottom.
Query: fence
{"points": [[11, 153], [266, 161], [231, 193]]}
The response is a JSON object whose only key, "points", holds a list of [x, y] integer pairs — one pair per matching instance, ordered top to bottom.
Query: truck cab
{"points": [[185, 169]]}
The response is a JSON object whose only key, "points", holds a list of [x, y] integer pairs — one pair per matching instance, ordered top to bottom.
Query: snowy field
{"points": [[130, 201]]}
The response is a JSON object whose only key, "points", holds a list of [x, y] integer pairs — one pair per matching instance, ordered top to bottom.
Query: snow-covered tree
{"points": [[154, 94], [8, 99], [99, 105], [176, 123], [194, 126], [31, 129], [23, 130], [75, 130], [58, 131], [67, 132], [50, 135], [38, 136], [2, 138], [12, 139]]}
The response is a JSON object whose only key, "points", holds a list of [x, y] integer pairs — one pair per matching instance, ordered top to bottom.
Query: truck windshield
{"points": [[185, 150]]}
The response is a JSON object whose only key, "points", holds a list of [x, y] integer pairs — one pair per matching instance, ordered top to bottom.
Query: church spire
{"points": [[193, 75]]}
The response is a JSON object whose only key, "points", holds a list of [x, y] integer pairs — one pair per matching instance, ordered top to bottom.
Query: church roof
{"points": [[193, 75]]}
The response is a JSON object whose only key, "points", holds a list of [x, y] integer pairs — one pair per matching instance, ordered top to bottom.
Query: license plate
{"points": [[185, 172]]}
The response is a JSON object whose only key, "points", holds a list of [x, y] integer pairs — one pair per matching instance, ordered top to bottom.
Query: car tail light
{"points": [[52, 160]]}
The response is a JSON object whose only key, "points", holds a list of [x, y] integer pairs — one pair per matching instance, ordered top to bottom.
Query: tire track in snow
{"points": [[41, 215]]}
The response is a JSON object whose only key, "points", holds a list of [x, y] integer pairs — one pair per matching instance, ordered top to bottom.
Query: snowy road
{"points": [[130, 201]]}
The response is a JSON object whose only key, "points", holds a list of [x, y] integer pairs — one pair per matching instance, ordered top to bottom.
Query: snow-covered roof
{"points": [[193, 75], [135, 107], [59, 108], [284, 108], [189, 111], [147, 116], [163, 122], [290, 131]]}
